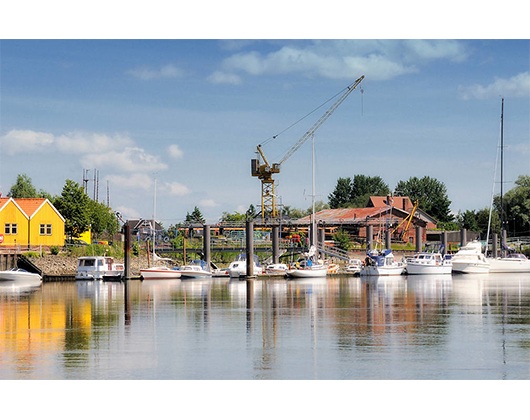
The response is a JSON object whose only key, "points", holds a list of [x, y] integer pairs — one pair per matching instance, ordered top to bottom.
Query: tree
{"points": [[364, 186], [23, 188], [356, 193], [431, 195], [340, 197], [516, 203], [74, 206], [195, 217], [102, 219]]}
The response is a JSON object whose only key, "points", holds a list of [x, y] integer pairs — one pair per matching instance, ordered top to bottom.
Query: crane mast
{"points": [[261, 168]]}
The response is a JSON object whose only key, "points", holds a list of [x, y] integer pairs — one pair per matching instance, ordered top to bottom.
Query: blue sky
{"points": [[190, 113]]}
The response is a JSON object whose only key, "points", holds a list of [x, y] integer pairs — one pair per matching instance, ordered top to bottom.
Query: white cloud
{"points": [[343, 59], [165, 72], [220, 77], [516, 86], [26, 141], [81, 143], [175, 151], [131, 159], [137, 181], [176, 189], [208, 203]]}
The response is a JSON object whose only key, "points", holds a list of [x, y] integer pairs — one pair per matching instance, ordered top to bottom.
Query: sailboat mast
{"points": [[502, 170], [154, 222], [313, 224]]}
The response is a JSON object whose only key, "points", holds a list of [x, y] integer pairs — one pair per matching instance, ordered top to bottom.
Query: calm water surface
{"points": [[448, 327]]}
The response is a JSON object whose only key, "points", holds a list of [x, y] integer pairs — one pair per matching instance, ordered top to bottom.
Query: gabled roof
{"points": [[404, 203], [29, 206], [351, 215]]}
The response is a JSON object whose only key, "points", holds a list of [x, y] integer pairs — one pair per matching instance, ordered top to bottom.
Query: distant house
{"points": [[382, 214], [29, 222]]}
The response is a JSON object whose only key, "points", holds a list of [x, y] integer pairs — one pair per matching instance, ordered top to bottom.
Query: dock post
{"points": [[419, 232], [369, 237], [463, 237], [444, 242], [206, 244], [275, 244], [388, 244], [494, 245], [250, 249], [127, 252]]}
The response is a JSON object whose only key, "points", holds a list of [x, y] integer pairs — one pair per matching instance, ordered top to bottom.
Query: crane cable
{"points": [[303, 118]]}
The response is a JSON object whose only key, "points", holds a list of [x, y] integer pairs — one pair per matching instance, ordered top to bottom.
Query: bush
{"points": [[55, 250]]}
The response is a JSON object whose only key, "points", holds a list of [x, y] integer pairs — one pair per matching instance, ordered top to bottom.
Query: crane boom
{"points": [[321, 120], [264, 170]]}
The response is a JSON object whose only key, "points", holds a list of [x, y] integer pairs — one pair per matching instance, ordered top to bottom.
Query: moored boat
{"points": [[470, 260], [429, 263], [511, 263], [382, 264], [354, 266], [238, 267], [308, 267], [98, 268], [197, 269], [276, 269], [159, 273], [20, 276]]}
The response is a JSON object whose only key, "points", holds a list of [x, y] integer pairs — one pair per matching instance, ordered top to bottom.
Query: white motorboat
{"points": [[470, 260], [429, 263], [511, 263], [382, 264], [354, 266], [238, 267], [308, 267], [98, 268], [197, 269], [276, 269], [159, 273], [20, 277]]}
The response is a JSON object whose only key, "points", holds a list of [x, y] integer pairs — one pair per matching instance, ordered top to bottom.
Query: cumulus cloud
{"points": [[343, 59], [165, 72], [220, 77], [516, 86], [26, 141], [175, 151], [130, 159], [138, 181], [176, 189], [208, 203]]}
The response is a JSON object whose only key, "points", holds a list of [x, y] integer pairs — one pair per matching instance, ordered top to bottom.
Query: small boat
{"points": [[470, 260], [429, 263], [511, 263], [382, 264], [354, 266], [238, 267], [308, 267], [98, 268], [333, 268], [197, 269], [276, 269], [159, 273], [20, 277]]}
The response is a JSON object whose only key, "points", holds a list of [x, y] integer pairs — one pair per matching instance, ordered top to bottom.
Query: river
{"points": [[459, 327]]}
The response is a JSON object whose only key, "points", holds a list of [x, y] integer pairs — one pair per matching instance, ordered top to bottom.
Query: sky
{"points": [[187, 113]]}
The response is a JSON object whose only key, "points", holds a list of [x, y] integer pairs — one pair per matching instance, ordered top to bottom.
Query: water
{"points": [[340, 328]]}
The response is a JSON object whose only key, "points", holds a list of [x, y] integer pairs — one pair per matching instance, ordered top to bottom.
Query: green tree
{"points": [[364, 186], [23, 188], [341, 195], [431, 195], [516, 203], [74, 206], [195, 217], [102, 219], [342, 240]]}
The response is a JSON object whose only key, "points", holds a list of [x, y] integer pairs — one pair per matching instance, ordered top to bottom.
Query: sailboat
{"points": [[509, 261], [309, 266], [157, 272]]}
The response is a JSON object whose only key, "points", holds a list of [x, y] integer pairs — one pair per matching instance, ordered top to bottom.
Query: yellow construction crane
{"points": [[261, 168], [407, 222]]}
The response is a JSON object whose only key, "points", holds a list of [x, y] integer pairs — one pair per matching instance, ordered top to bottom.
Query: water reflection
{"points": [[336, 328]]}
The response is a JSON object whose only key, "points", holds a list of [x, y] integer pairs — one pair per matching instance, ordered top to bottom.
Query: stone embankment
{"points": [[60, 265]]}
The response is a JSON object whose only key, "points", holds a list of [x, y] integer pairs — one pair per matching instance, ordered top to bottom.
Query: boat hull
{"points": [[509, 265], [470, 267], [423, 269], [382, 271], [160, 273], [307, 273], [20, 277]]}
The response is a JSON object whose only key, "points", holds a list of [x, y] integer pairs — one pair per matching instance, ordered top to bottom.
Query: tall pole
{"points": [[502, 178]]}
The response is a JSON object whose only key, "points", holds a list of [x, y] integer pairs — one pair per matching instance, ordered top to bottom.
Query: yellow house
{"points": [[30, 222]]}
